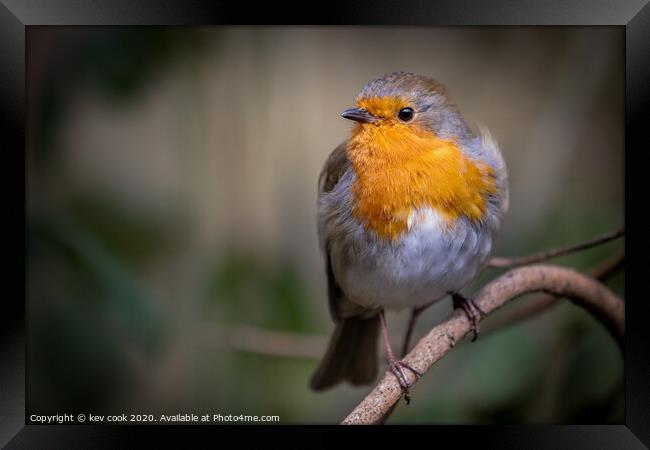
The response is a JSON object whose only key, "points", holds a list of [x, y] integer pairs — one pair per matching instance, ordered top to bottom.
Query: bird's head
{"points": [[403, 102]]}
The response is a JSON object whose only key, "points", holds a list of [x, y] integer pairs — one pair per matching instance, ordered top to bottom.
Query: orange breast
{"points": [[400, 167]]}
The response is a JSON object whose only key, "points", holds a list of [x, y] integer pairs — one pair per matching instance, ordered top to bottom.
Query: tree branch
{"points": [[542, 256], [581, 289], [543, 302], [533, 307], [274, 343]]}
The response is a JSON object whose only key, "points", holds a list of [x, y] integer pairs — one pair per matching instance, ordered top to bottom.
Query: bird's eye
{"points": [[405, 114]]}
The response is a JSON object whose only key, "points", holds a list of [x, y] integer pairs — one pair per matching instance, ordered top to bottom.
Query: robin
{"points": [[408, 207]]}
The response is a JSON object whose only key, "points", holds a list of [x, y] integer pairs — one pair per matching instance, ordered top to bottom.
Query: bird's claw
{"points": [[472, 310], [396, 369]]}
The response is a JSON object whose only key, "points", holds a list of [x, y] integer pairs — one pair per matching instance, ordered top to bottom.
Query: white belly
{"points": [[422, 266]]}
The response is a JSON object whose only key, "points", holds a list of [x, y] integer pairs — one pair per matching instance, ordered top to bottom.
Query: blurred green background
{"points": [[172, 256]]}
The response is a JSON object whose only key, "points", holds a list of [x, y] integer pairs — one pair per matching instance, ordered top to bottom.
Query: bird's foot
{"points": [[473, 312], [396, 367]]}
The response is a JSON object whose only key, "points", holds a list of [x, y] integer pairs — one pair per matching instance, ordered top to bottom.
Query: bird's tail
{"points": [[351, 355]]}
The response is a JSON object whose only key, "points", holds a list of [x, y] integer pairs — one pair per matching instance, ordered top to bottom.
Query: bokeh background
{"points": [[172, 256]]}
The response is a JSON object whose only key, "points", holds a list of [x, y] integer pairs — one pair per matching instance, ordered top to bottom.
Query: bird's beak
{"points": [[358, 115]]}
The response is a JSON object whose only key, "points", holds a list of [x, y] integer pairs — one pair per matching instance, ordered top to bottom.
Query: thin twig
{"points": [[542, 256], [581, 289], [250, 339]]}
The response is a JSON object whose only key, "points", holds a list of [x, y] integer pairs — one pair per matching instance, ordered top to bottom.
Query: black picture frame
{"points": [[17, 15]]}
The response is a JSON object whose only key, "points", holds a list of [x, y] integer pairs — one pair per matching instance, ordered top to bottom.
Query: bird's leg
{"points": [[473, 312], [415, 313], [394, 364]]}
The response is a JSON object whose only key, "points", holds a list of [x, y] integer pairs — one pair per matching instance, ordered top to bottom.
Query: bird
{"points": [[408, 208]]}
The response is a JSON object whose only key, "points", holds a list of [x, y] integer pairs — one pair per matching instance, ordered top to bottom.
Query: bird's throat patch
{"points": [[400, 168]]}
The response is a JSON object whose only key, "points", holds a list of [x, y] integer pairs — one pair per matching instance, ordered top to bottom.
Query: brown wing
{"points": [[335, 166], [333, 169], [352, 351]]}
